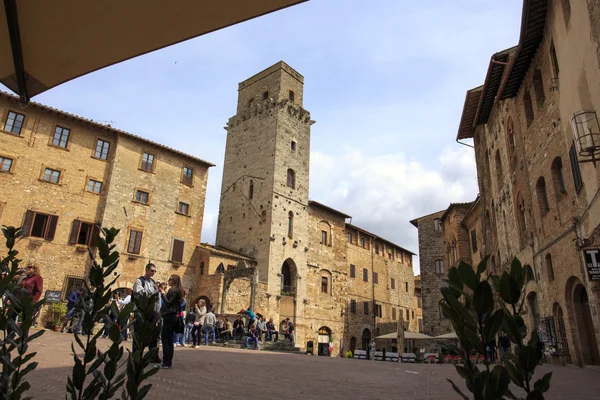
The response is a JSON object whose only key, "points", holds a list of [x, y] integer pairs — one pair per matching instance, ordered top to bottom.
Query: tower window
{"points": [[538, 87], [265, 95], [250, 102], [528, 106], [293, 146], [291, 178], [251, 190], [542, 195], [290, 224]]}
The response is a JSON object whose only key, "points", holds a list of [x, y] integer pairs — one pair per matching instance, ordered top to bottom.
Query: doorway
{"points": [[585, 326], [324, 340]]}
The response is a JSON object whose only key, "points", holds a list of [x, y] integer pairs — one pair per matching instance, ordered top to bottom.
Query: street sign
{"points": [[592, 261], [53, 296]]}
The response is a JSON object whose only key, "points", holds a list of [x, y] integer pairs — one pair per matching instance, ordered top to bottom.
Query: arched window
{"points": [[538, 87], [292, 96], [250, 102], [528, 106], [512, 145], [498, 168], [558, 177], [291, 178], [540, 188], [251, 190], [521, 220], [290, 224], [326, 239], [549, 267], [202, 268], [529, 276], [326, 284]]}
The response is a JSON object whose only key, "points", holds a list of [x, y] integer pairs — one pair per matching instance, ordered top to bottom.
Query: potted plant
{"points": [[59, 311]]}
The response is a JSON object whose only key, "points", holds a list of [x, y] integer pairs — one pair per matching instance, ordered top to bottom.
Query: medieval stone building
{"points": [[536, 138], [63, 176], [284, 255]]}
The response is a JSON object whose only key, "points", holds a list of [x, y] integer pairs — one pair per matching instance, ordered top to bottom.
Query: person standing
{"points": [[33, 283], [145, 285], [71, 303], [121, 303], [171, 307], [200, 312], [190, 318], [209, 326], [261, 327], [291, 329], [178, 339], [504, 345]]}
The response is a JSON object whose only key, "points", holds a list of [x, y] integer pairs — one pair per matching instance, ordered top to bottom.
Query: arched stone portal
{"points": [[289, 272], [585, 326], [366, 339], [324, 340]]}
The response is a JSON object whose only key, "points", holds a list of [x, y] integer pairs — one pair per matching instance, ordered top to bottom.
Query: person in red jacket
{"points": [[33, 282]]}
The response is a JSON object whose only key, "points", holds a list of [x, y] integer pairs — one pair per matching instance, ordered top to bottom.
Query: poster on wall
{"points": [[592, 262]]}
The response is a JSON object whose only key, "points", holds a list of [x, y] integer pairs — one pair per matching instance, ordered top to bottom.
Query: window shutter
{"points": [[575, 168], [28, 222], [52, 222], [74, 232], [94, 236], [132, 239], [138, 242], [177, 254]]}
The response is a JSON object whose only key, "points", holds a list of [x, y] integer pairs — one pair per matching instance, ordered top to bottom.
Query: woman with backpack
{"points": [[171, 307]]}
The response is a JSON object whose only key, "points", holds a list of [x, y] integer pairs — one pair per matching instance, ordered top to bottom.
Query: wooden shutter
{"points": [[575, 168], [29, 215], [51, 230], [74, 232], [94, 236], [138, 242], [131, 243], [177, 253]]}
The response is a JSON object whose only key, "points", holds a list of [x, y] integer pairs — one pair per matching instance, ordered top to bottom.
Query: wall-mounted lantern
{"points": [[587, 135]]}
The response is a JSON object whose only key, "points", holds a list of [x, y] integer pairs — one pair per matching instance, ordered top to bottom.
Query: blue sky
{"points": [[385, 80]]}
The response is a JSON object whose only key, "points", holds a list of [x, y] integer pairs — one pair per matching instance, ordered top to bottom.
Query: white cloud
{"points": [[384, 192]]}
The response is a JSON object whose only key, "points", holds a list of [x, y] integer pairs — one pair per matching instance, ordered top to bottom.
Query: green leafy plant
{"points": [[478, 306], [59, 311], [15, 337], [349, 354], [106, 370]]}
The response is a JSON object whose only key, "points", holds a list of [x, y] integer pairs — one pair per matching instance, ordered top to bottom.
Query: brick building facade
{"points": [[63, 176], [537, 192]]}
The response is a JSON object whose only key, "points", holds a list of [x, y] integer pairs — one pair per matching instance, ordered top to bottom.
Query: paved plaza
{"points": [[220, 373]]}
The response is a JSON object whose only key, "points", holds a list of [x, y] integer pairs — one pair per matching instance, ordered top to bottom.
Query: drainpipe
{"points": [[464, 144]]}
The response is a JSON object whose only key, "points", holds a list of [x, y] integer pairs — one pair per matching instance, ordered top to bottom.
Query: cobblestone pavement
{"points": [[219, 373]]}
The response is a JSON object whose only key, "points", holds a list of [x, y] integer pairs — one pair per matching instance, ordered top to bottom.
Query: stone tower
{"points": [[263, 209]]}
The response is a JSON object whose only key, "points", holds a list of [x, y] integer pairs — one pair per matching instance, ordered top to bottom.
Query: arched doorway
{"points": [[288, 277], [206, 300], [585, 326], [366, 339], [324, 340], [352, 344], [561, 344]]}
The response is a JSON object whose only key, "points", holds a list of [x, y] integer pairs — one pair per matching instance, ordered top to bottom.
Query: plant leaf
{"points": [[467, 275]]}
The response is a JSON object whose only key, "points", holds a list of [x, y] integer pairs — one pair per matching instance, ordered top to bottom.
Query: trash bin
{"points": [[309, 347]]}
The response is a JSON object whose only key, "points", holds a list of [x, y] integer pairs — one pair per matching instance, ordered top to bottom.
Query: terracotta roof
{"points": [[533, 23], [498, 63], [106, 128], [466, 128], [321, 205], [454, 205], [415, 221], [379, 237], [223, 251]]}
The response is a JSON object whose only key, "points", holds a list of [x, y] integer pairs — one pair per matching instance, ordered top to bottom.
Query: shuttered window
{"points": [[575, 168], [40, 225], [83, 233], [135, 242], [177, 251], [352, 271], [365, 275], [375, 278], [353, 306], [366, 307]]}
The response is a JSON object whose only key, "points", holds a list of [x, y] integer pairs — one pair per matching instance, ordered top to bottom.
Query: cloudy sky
{"points": [[384, 79]]}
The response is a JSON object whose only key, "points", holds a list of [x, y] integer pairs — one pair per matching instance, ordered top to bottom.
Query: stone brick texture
{"points": [[22, 189]]}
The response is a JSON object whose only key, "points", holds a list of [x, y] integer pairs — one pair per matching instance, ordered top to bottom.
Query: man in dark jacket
{"points": [[71, 303], [238, 327]]}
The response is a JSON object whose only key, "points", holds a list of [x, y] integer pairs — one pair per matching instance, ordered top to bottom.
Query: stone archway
{"points": [[289, 272], [206, 300], [534, 311], [585, 326], [366, 339], [324, 340], [352, 344], [561, 349]]}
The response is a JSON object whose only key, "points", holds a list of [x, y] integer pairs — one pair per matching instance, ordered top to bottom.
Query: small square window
{"points": [[265, 95], [14, 122], [61, 137], [293, 146], [102, 148], [147, 162], [5, 164], [51, 175], [188, 176], [94, 186], [141, 196], [183, 208], [83, 233], [349, 237], [363, 243], [177, 251], [365, 275], [393, 283], [324, 284]]}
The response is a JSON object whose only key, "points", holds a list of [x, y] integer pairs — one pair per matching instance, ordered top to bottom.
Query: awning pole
{"points": [[12, 21]]}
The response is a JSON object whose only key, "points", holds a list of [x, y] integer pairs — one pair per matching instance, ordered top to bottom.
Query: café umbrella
{"points": [[46, 43]]}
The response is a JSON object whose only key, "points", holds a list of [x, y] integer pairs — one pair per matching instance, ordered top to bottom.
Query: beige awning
{"points": [[55, 41], [407, 335], [451, 335]]}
